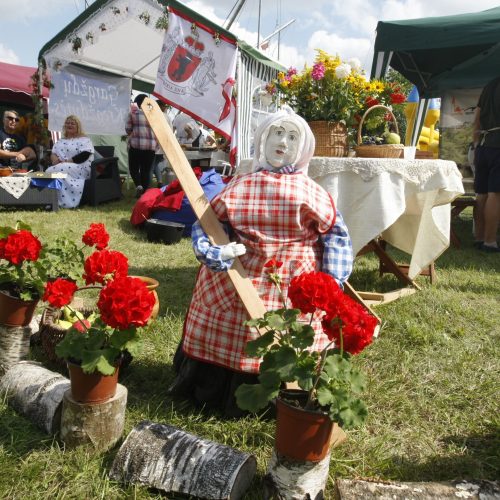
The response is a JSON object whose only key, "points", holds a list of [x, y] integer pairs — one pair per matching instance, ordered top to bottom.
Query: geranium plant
{"points": [[335, 90], [26, 263], [124, 304], [332, 383]]}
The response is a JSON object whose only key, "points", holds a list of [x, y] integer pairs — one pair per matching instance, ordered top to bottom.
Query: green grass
{"points": [[432, 396]]}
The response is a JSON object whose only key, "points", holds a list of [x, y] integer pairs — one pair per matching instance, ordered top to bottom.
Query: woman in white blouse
{"points": [[72, 155]]}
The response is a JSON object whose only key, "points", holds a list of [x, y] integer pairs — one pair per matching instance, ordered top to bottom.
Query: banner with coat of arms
{"points": [[196, 73]]}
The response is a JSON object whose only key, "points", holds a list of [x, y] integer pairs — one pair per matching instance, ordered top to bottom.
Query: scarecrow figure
{"points": [[274, 212]]}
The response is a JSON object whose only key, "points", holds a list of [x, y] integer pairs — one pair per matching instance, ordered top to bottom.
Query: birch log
{"points": [[14, 345], [35, 392], [98, 424], [166, 458], [295, 480], [472, 489]]}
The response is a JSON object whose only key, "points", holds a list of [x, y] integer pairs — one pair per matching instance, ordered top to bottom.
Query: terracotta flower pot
{"points": [[152, 285], [14, 311], [93, 387], [300, 434]]}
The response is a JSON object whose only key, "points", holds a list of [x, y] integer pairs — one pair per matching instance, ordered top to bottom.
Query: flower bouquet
{"points": [[335, 91], [124, 304], [330, 383]]}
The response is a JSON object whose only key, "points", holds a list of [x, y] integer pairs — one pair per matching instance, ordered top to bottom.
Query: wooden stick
{"points": [[200, 204]]}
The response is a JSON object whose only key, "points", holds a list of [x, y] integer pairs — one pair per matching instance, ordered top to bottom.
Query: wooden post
{"points": [[200, 204], [14, 345], [35, 392], [99, 424], [166, 458]]}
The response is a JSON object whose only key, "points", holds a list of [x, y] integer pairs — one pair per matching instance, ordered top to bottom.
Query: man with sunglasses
{"points": [[13, 147]]}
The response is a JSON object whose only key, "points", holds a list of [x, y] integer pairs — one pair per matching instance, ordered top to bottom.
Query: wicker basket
{"points": [[331, 138], [378, 150], [51, 334]]}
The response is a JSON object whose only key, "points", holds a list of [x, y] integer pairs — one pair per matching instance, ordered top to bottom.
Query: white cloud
{"points": [[27, 10], [8, 55]]}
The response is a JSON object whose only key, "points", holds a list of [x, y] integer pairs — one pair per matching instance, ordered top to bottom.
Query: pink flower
{"points": [[318, 71]]}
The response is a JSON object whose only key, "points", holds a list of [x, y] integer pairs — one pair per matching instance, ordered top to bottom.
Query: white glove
{"points": [[232, 250]]}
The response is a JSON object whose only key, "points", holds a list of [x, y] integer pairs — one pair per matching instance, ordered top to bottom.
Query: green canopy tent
{"points": [[124, 38], [440, 53]]}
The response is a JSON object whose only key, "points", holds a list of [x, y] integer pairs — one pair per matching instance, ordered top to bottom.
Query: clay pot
{"points": [[152, 285], [14, 311], [91, 387], [302, 434]]}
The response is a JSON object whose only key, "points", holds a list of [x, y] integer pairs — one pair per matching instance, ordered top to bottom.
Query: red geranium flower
{"points": [[96, 236], [20, 246], [273, 264], [104, 265], [311, 291], [59, 292], [125, 302], [357, 325]]}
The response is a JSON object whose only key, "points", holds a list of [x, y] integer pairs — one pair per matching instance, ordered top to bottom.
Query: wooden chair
{"points": [[105, 183]]}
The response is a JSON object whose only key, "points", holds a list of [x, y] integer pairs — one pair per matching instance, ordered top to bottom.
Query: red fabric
{"points": [[153, 199], [274, 216]]}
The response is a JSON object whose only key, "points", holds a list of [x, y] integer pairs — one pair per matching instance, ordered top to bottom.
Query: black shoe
{"points": [[478, 244], [488, 249]]}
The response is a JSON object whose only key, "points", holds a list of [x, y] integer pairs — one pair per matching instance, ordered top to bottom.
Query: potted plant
{"points": [[332, 95], [25, 265], [93, 346], [329, 382]]}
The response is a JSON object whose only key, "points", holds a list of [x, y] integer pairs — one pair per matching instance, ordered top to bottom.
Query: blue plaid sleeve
{"points": [[205, 252], [337, 253]]}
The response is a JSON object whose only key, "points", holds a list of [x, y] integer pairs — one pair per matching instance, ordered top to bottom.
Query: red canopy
{"points": [[15, 84]]}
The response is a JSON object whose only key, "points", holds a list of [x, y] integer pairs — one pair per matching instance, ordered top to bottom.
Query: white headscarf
{"points": [[306, 144]]}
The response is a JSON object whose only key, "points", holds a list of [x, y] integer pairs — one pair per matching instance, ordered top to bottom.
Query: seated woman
{"points": [[72, 155], [278, 212]]}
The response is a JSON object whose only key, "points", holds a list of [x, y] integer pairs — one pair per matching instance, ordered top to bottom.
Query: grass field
{"points": [[433, 376]]}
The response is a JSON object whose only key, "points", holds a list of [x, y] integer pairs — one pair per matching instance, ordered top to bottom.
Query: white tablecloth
{"points": [[407, 202]]}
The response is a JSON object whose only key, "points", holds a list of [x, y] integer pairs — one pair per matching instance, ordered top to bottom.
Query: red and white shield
{"points": [[182, 64]]}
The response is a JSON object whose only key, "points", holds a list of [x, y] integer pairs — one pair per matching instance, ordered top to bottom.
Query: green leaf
{"points": [[276, 321], [304, 337], [258, 347], [102, 361], [286, 361], [337, 367], [270, 379], [358, 381], [324, 396], [254, 397], [354, 415]]}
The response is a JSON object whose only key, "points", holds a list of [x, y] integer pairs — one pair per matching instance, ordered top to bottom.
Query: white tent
{"points": [[124, 38]]}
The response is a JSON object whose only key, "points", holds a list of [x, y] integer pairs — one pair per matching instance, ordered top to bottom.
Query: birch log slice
{"points": [[14, 345], [35, 392], [98, 424], [166, 458], [295, 479]]}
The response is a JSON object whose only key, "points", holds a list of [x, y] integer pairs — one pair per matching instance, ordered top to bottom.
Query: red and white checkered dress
{"points": [[273, 215]]}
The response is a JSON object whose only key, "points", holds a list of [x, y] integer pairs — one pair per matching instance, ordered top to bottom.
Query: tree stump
{"points": [[14, 345], [35, 392], [99, 424], [166, 458], [295, 479], [350, 489]]}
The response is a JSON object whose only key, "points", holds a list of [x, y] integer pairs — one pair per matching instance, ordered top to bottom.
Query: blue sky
{"points": [[338, 27]]}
